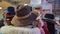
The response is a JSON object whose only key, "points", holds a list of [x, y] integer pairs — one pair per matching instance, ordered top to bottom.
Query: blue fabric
{"points": [[8, 12], [0, 32]]}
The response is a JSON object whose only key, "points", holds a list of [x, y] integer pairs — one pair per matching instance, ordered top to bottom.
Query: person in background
{"points": [[8, 15], [50, 20], [22, 22], [39, 24], [42, 25]]}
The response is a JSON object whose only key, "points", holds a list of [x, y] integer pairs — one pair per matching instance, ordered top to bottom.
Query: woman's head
{"points": [[24, 16], [49, 16]]}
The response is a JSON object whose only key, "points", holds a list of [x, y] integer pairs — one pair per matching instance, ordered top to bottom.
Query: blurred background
{"points": [[5, 3]]}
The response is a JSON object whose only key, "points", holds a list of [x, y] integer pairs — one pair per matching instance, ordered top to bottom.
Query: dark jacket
{"points": [[50, 25]]}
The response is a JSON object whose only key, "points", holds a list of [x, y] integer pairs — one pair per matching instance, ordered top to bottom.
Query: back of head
{"points": [[49, 16], [49, 19]]}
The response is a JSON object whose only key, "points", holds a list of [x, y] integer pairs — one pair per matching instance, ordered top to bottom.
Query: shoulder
{"points": [[8, 29], [19, 30]]}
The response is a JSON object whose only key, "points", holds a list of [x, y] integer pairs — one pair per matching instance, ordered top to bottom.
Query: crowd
{"points": [[27, 21]]}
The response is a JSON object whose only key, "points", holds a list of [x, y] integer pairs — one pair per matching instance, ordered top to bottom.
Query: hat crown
{"points": [[10, 8], [22, 11]]}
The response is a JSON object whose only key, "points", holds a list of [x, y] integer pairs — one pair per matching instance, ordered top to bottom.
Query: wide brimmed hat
{"points": [[24, 16]]}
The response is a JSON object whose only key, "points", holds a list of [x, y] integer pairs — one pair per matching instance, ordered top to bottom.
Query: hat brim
{"points": [[32, 17]]}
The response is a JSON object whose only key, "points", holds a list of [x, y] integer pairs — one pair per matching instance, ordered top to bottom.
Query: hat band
{"points": [[24, 16]]}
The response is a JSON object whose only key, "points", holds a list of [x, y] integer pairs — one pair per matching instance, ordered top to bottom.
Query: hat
{"points": [[11, 9], [24, 16], [49, 16]]}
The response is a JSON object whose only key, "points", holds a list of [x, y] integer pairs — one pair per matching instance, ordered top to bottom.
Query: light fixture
{"points": [[25, 4], [0, 7]]}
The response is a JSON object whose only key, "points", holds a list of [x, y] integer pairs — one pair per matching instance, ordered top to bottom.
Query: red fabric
{"points": [[8, 14], [45, 28]]}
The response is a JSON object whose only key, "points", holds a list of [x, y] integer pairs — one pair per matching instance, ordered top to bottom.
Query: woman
{"points": [[50, 20], [22, 22]]}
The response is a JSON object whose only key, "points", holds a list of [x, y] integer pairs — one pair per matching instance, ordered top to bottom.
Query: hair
{"points": [[49, 16]]}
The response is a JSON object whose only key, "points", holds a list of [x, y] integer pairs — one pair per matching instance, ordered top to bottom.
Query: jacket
{"points": [[19, 30]]}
